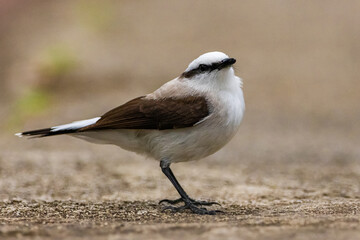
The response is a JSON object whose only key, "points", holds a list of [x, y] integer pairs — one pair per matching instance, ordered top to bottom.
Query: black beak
{"points": [[227, 62]]}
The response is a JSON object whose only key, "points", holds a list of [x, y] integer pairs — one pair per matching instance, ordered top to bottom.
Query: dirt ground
{"points": [[279, 188]]}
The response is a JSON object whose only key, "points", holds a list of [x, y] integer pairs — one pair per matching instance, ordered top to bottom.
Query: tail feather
{"points": [[58, 130], [45, 132]]}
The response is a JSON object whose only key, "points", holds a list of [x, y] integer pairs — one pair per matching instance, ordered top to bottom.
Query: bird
{"points": [[186, 119]]}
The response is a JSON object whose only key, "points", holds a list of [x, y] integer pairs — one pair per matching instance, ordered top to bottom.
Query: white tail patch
{"points": [[75, 125], [19, 134]]}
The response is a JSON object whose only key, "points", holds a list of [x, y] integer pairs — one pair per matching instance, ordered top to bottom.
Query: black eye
{"points": [[203, 67]]}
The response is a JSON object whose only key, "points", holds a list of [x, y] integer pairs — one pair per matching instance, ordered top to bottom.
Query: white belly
{"points": [[177, 145]]}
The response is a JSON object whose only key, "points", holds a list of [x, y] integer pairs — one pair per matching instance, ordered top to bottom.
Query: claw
{"points": [[171, 201], [194, 202], [205, 203], [193, 208], [174, 209]]}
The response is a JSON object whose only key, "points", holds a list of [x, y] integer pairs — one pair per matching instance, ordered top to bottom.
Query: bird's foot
{"points": [[194, 202], [192, 205], [193, 208]]}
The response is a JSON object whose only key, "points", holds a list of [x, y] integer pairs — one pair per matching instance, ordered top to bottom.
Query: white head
{"points": [[212, 68]]}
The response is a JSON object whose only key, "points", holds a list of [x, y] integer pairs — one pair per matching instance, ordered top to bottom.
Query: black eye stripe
{"points": [[205, 67], [200, 69]]}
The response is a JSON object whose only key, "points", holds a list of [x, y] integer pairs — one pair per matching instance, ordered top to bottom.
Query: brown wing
{"points": [[142, 113]]}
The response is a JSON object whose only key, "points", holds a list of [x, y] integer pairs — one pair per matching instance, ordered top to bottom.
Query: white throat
{"points": [[215, 81]]}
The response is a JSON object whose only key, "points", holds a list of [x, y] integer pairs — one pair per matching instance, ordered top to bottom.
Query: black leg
{"points": [[189, 203]]}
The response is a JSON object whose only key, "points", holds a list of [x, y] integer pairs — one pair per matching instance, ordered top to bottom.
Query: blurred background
{"points": [[69, 60]]}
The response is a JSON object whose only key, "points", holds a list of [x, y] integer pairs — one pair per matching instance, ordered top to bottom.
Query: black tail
{"points": [[45, 132]]}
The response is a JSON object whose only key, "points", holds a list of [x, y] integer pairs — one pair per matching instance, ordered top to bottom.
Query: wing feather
{"points": [[161, 114]]}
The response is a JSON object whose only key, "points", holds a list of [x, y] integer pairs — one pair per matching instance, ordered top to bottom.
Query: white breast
{"points": [[205, 138], [185, 144]]}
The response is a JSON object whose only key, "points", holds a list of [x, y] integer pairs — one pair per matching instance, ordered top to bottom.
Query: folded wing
{"points": [[160, 114]]}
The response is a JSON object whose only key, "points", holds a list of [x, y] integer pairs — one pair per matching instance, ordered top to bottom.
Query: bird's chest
{"points": [[229, 110], [225, 120]]}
